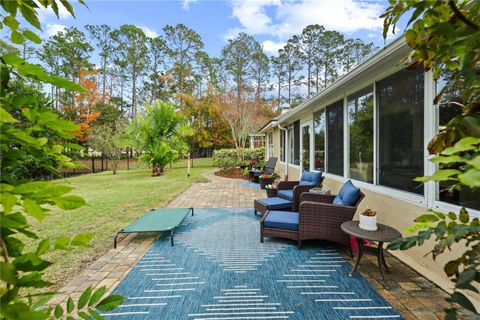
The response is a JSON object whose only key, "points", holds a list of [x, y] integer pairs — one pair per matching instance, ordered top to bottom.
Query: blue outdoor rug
{"points": [[250, 184], [218, 269]]}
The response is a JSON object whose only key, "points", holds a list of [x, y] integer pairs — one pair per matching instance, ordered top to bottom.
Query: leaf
{"points": [[30, 15], [11, 22], [32, 36], [17, 37], [6, 117], [465, 144], [448, 159], [475, 162], [440, 175], [470, 178], [31, 187], [53, 192], [8, 200], [69, 202], [33, 209], [463, 216], [427, 218], [14, 220], [82, 239], [61, 243], [43, 247], [7, 272], [466, 276], [33, 280], [97, 295], [84, 298], [459, 298], [110, 302], [70, 305], [58, 312], [84, 315], [95, 315]]}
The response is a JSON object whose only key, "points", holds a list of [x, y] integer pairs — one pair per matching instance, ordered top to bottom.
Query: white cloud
{"points": [[186, 4], [46, 14], [283, 18], [53, 28], [150, 33], [272, 47]]}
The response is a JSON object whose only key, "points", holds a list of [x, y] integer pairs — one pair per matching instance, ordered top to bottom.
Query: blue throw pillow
{"points": [[312, 178], [306, 183], [348, 194]]}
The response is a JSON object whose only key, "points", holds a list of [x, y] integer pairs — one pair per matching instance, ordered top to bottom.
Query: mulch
{"points": [[235, 174]]}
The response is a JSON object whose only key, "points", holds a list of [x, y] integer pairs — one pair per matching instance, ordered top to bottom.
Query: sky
{"points": [[271, 22]]}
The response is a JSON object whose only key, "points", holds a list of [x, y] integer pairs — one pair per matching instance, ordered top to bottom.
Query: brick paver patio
{"points": [[412, 295]]}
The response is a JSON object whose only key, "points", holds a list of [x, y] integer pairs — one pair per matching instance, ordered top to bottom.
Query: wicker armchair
{"points": [[297, 190], [318, 219]]}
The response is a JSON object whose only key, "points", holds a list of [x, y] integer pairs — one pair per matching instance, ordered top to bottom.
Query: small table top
{"points": [[382, 234]]}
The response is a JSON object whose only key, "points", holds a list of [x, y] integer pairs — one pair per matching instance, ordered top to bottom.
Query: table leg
{"points": [[359, 255], [381, 262], [387, 269]]}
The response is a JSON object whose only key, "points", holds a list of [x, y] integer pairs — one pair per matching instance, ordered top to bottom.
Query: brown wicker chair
{"points": [[297, 190], [319, 219]]}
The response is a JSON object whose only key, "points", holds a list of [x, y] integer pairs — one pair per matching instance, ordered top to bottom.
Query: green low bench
{"points": [[157, 220]]}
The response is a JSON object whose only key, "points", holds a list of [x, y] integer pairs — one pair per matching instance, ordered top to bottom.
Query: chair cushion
{"points": [[312, 178], [306, 183], [285, 194], [348, 194], [276, 203], [281, 220]]}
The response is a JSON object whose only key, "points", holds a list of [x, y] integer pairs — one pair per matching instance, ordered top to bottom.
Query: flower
{"points": [[253, 162], [268, 176], [272, 186]]}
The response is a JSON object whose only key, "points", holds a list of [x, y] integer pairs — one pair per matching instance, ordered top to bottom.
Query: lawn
{"points": [[113, 202]]}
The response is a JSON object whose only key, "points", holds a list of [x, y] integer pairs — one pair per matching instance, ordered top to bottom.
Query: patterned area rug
{"points": [[250, 184], [218, 269]]}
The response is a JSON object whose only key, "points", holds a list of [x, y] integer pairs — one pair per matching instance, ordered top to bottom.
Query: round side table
{"points": [[382, 234]]}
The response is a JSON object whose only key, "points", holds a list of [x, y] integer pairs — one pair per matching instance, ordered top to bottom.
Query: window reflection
{"points": [[360, 122], [319, 125], [400, 135], [335, 138], [306, 148], [465, 197]]}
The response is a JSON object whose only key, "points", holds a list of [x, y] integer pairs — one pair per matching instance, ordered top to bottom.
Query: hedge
{"points": [[226, 159]]}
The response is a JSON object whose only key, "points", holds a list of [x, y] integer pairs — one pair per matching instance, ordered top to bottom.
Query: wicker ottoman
{"points": [[275, 203]]}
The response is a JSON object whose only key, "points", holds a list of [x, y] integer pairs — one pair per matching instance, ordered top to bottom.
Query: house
{"points": [[372, 126]]}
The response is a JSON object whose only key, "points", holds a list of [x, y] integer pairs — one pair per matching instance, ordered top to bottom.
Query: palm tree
{"points": [[158, 134]]}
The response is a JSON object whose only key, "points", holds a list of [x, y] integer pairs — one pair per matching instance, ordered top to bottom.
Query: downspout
{"points": [[285, 150]]}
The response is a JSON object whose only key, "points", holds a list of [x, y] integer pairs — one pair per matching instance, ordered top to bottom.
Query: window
{"points": [[360, 123], [319, 125], [400, 130], [335, 138], [296, 143], [270, 144], [282, 145], [291, 145], [306, 148], [465, 197]]}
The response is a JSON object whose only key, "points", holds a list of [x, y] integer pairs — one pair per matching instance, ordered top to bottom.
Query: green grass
{"points": [[198, 162], [113, 202]]}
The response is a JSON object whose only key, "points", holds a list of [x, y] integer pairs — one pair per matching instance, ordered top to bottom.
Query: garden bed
{"points": [[235, 174]]}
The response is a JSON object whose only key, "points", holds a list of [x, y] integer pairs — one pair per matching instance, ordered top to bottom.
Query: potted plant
{"points": [[253, 163], [265, 179], [271, 189], [368, 220]]}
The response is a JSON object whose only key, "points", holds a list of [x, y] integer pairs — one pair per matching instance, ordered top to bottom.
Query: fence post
{"points": [[102, 161], [128, 161], [93, 164]]}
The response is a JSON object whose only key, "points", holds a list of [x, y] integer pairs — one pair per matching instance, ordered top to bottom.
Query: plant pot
{"points": [[265, 181], [271, 193], [368, 223]]}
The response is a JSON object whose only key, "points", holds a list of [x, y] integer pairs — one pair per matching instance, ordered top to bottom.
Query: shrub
{"points": [[227, 159]]}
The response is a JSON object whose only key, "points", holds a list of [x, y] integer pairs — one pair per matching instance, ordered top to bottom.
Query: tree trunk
{"points": [[157, 170]]}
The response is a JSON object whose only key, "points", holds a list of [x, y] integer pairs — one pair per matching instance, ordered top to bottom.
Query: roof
{"points": [[398, 46]]}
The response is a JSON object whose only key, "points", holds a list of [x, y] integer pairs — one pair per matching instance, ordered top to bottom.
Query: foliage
{"points": [[445, 37], [30, 129], [158, 135], [107, 139], [227, 159]]}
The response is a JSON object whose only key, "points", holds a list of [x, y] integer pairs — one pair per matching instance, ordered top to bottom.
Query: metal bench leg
{"points": [[192, 211], [171, 235], [115, 240]]}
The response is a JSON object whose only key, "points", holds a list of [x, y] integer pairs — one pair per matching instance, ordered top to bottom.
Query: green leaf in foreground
{"points": [[110, 302]]}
